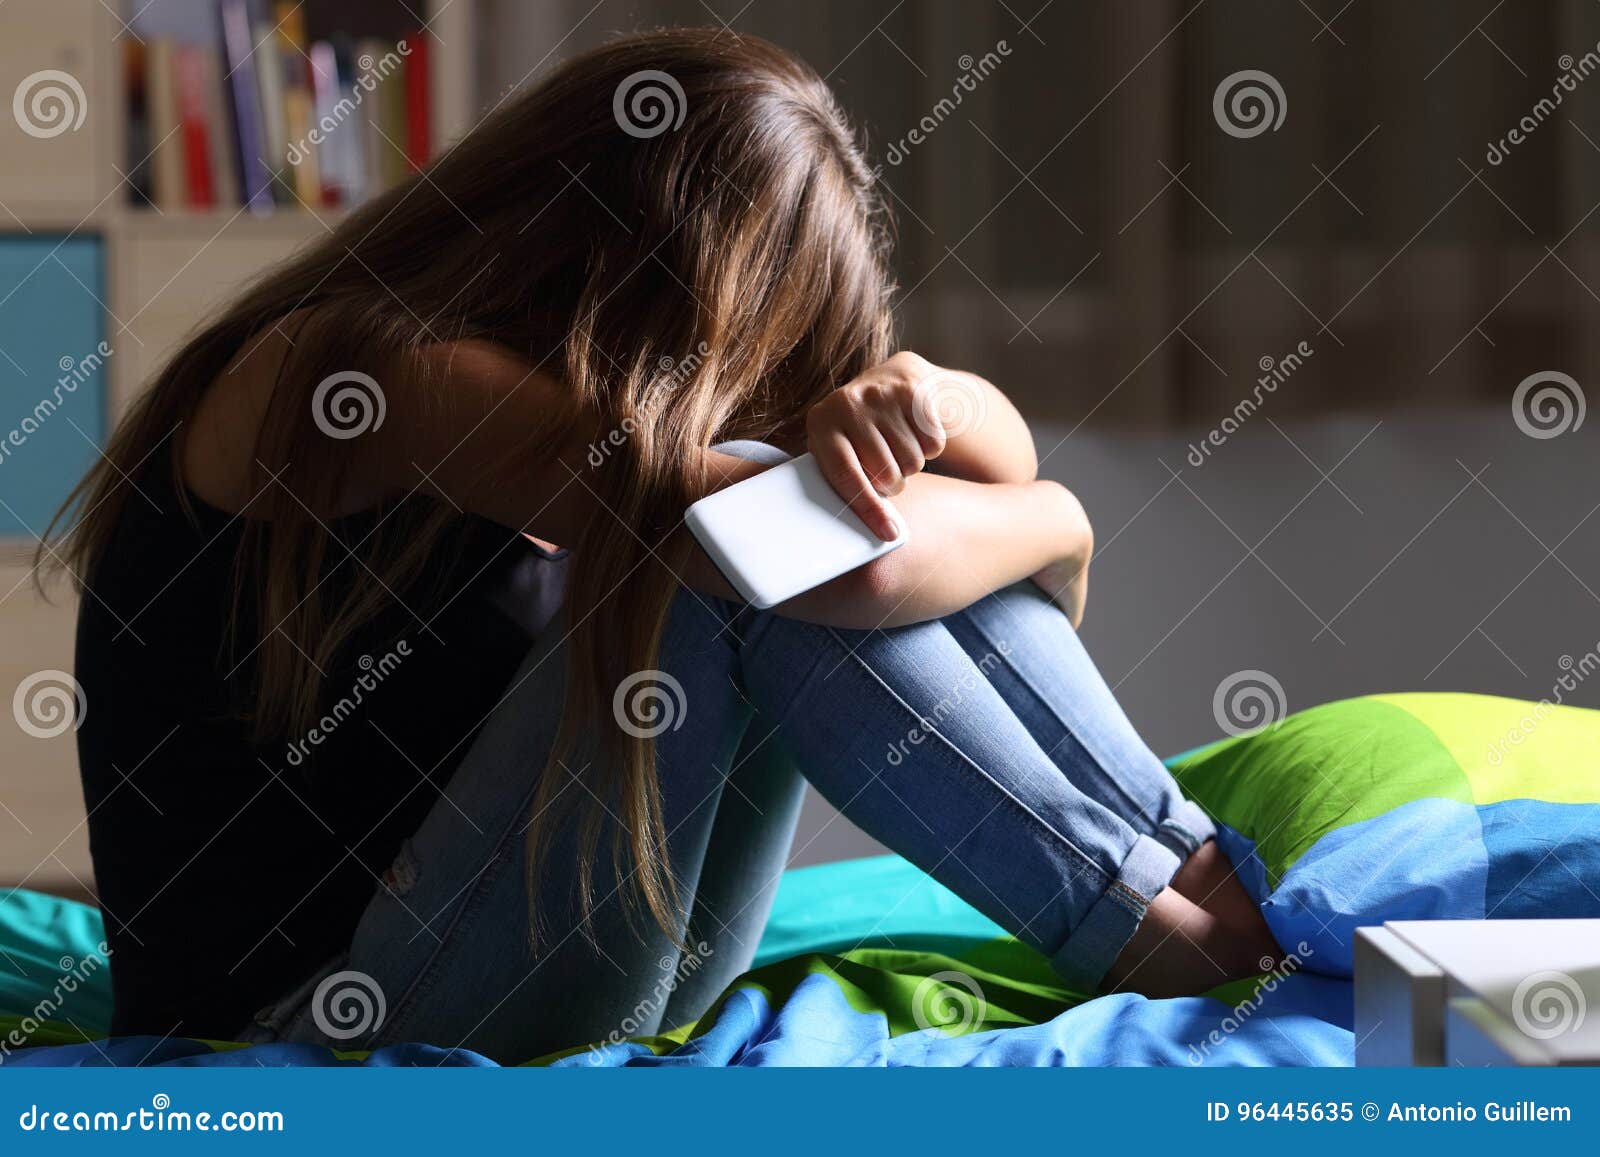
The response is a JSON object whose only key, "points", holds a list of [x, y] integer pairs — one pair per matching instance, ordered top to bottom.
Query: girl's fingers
{"points": [[925, 401], [932, 438], [906, 446], [836, 456], [878, 459]]}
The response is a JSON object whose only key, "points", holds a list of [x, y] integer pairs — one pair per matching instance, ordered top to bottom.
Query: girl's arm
{"points": [[988, 440], [999, 449], [988, 526], [967, 538]]}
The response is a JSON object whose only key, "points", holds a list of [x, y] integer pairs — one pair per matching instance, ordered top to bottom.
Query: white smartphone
{"points": [[783, 532]]}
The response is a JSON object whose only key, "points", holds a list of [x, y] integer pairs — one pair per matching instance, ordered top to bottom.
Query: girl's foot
{"points": [[1209, 880], [1202, 931], [1171, 953]]}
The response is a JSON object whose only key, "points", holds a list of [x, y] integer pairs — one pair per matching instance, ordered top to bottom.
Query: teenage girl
{"points": [[405, 674]]}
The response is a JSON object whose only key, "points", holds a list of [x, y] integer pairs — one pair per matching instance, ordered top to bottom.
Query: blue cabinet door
{"points": [[54, 350]]}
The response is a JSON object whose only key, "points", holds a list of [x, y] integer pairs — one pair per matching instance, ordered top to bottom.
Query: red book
{"points": [[192, 101], [419, 145]]}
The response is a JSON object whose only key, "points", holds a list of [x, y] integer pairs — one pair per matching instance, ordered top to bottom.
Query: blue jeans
{"points": [[984, 747]]}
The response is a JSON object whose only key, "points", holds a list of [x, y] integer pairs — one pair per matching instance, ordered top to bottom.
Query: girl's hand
{"points": [[873, 433]]}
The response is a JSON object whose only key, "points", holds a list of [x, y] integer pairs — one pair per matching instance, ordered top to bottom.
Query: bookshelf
{"points": [[80, 189], [143, 279]]}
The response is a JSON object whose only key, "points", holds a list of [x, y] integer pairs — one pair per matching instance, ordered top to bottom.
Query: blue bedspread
{"points": [[1438, 806], [835, 984], [1306, 1021]]}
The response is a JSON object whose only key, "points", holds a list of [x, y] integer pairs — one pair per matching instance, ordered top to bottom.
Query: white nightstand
{"points": [[1478, 992]]}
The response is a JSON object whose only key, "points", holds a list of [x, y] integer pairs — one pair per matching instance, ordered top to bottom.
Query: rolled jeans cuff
{"points": [[1186, 828], [1105, 930]]}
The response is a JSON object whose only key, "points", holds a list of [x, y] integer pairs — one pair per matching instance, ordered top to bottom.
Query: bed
{"points": [[1426, 806]]}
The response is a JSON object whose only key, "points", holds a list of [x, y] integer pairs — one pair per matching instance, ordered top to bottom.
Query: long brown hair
{"points": [[683, 194]]}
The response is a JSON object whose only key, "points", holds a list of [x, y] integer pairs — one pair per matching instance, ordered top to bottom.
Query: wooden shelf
{"points": [[205, 222], [164, 273]]}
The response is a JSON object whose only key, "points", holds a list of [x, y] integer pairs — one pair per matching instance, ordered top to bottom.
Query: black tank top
{"points": [[230, 869]]}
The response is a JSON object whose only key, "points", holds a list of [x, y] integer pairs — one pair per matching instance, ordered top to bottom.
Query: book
{"points": [[372, 52], [325, 94], [297, 101], [261, 117], [274, 130], [348, 136], [393, 136], [137, 141], [419, 143], [224, 158], [255, 178], [167, 182], [199, 192]]}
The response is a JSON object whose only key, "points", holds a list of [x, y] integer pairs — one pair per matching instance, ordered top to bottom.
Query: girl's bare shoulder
{"points": [[218, 441]]}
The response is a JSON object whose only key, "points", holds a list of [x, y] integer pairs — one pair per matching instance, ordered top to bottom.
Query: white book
{"points": [[269, 80], [372, 142]]}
